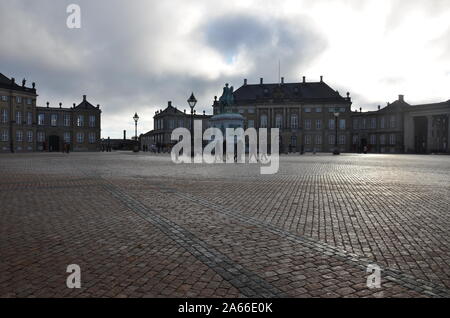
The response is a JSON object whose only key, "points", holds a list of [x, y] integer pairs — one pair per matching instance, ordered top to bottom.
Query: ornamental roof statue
{"points": [[227, 98]]}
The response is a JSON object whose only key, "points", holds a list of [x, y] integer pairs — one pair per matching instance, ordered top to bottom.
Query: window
{"points": [[5, 98], [19, 100], [29, 101], [307, 109], [318, 109], [331, 109], [342, 109], [241, 110], [251, 110], [4, 116], [18, 118], [29, 118], [41, 119], [54, 120], [67, 120], [80, 120], [92, 121], [263, 121], [278, 121], [294, 121], [181, 123], [251, 123], [341, 123], [355, 123], [373, 123], [382, 123], [392, 123], [171, 124], [308, 124], [318, 124], [331, 124], [364, 124], [5, 135], [19, 135], [30, 136], [40, 136], [67, 138], [80, 138], [92, 138], [318, 139], [331, 139], [342, 139], [373, 139], [382, 139], [392, 139], [307, 140], [355, 140], [294, 141]]}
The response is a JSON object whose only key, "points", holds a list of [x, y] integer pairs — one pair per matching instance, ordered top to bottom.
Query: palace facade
{"points": [[24, 126]]}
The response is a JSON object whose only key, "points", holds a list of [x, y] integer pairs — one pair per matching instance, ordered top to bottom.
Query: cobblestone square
{"points": [[140, 226]]}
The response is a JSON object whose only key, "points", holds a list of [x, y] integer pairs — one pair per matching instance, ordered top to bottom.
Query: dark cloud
{"points": [[265, 40]]}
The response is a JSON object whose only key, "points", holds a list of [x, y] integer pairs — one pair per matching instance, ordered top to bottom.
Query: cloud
{"points": [[134, 56]]}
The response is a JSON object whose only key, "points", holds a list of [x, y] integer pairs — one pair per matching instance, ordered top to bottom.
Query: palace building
{"points": [[24, 126]]}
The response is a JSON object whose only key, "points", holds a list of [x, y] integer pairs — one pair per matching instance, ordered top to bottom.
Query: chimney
{"points": [[321, 78], [304, 79], [13, 80], [282, 80], [245, 81], [261, 81], [24, 82], [33, 85], [348, 95], [84, 98], [401, 98], [48, 104], [60, 105], [74, 105], [98, 106], [379, 107], [360, 109], [185, 111], [204, 113], [124, 135]]}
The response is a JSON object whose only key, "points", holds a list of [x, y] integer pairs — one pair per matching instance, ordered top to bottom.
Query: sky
{"points": [[136, 55]]}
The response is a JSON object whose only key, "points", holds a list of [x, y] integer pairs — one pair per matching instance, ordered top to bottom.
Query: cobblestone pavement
{"points": [[140, 226]]}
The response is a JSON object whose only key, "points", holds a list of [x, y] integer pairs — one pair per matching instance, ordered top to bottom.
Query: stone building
{"points": [[304, 112], [17, 116], [164, 122], [27, 127], [403, 128]]}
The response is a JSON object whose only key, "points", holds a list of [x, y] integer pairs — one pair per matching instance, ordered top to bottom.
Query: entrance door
{"points": [[420, 134], [53, 143]]}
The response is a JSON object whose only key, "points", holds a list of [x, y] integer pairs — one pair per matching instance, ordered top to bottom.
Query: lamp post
{"points": [[192, 101], [136, 118], [336, 149]]}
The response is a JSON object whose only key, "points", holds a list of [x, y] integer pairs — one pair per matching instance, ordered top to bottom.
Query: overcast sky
{"points": [[134, 56]]}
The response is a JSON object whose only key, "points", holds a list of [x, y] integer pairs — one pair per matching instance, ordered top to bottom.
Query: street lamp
{"points": [[192, 101], [136, 118], [336, 150]]}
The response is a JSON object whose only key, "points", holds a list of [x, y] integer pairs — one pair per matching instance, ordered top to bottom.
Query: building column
{"points": [[430, 143]]}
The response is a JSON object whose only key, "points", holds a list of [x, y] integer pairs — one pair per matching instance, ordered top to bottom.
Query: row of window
{"points": [[19, 100], [305, 109], [54, 118], [41, 119], [371, 123], [308, 124], [41, 136], [382, 139], [317, 140]]}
